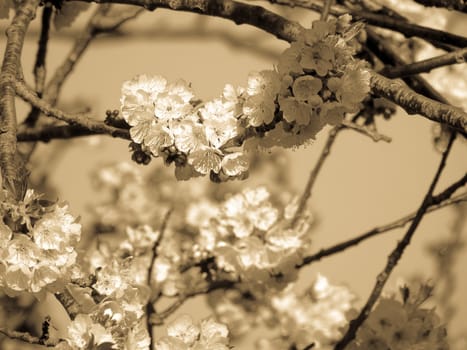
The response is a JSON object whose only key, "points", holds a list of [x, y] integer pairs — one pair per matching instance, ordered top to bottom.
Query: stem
{"points": [[326, 8], [314, 174], [395, 255], [150, 306]]}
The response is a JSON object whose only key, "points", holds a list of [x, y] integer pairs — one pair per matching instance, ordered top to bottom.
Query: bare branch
{"points": [[240, 13], [425, 66], [80, 120], [365, 130], [314, 174], [339, 247], [395, 255], [150, 306]]}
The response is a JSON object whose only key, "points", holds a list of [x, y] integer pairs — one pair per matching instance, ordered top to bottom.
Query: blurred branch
{"points": [[459, 5], [99, 23], [425, 66], [337, 248], [397, 253], [159, 317], [28, 338]]}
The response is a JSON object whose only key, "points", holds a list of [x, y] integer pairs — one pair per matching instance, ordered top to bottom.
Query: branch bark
{"points": [[13, 171]]}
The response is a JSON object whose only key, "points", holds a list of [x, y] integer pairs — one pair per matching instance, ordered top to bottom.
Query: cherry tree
{"points": [[157, 241]]}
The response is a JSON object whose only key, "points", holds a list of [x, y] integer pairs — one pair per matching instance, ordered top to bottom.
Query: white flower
{"points": [[184, 329]]}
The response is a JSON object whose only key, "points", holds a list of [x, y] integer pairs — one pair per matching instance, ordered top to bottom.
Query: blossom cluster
{"points": [[316, 81], [166, 121], [252, 238], [38, 242], [111, 306], [297, 320], [402, 325], [184, 334]]}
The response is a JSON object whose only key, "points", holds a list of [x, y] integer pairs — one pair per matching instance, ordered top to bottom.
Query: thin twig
{"points": [[326, 8], [98, 23], [425, 66], [81, 120], [365, 130], [13, 171], [314, 174], [339, 247], [395, 255], [150, 305], [159, 317]]}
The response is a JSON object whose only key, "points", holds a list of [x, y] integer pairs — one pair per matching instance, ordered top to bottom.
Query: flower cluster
{"points": [[316, 82], [320, 82], [166, 121], [253, 240], [38, 241], [112, 303], [315, 317], [296, 320], [405, 325], [105, 328], [184, 334]]}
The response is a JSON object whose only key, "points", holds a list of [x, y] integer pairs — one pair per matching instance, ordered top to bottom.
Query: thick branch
{"points": [[240, 13], [413, 103], [80, 120], [12, 172], [395, 255]]}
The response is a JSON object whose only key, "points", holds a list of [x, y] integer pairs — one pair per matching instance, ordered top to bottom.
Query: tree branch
{"points": [[459, 5], [240, 13], [98, 23], [425, 66], [414, 103], [79, 120], [13, 171], [314, 174], [339, 247], [395, 255], [150, 306]]}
